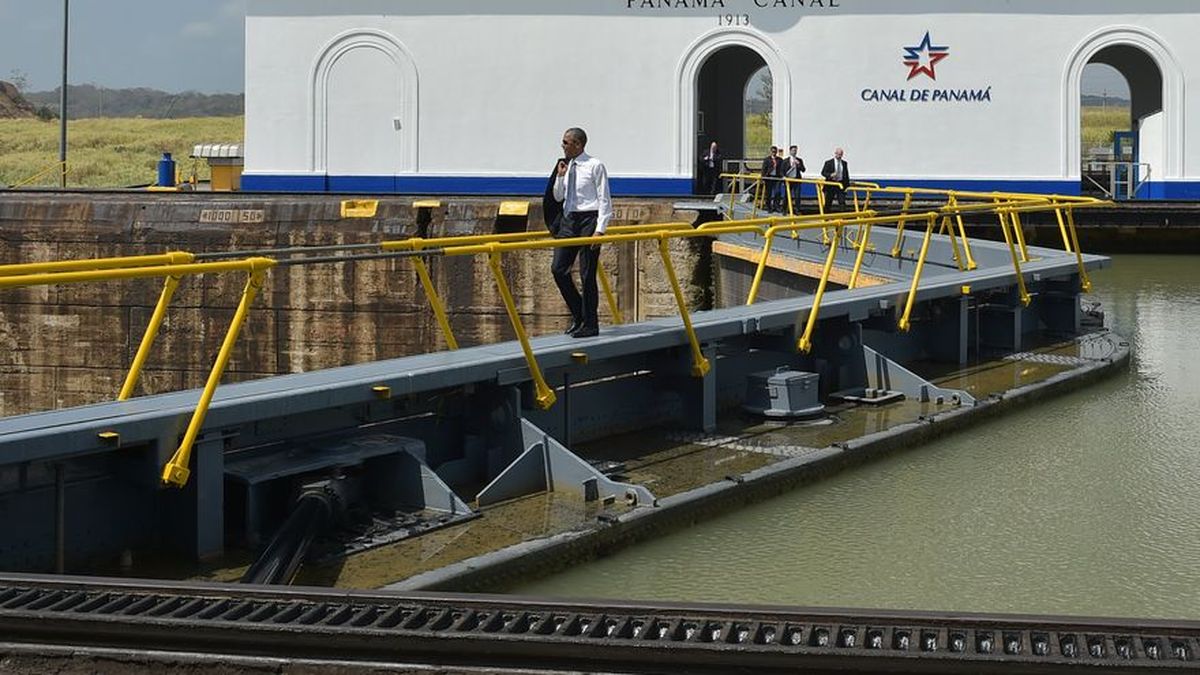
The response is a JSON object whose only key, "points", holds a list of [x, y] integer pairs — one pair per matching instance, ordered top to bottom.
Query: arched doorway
{"points": [[713, 77], [732, 107], [364, 119], [1121, 119], [1146, 150]]}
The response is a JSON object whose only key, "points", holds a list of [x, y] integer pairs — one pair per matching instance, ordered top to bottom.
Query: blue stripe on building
{"points": [[452, 185], [645, 187]]}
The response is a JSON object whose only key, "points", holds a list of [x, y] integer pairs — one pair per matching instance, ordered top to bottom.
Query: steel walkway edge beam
{"points": [[481, 631]]}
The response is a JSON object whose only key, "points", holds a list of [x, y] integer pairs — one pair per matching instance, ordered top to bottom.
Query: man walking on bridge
{"points": [[837, 171], [582, 187]]}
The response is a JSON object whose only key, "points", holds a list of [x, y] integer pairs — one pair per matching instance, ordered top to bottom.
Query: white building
{"points": [[472, 96]]}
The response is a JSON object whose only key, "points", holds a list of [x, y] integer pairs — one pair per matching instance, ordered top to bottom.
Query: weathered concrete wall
{"points": [[70, 345]]}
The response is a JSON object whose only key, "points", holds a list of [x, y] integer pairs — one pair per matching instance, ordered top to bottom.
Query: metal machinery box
{"points": [[225, 161], [783, 393]]}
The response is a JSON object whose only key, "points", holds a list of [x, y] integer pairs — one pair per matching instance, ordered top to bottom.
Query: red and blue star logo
{"points": [[924, 57]]}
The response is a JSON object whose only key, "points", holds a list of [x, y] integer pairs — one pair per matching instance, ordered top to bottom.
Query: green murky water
{"points": [[1086, 504]]}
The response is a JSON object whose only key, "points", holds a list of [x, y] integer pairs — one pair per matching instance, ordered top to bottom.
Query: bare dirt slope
{"points": [[12, 104]]}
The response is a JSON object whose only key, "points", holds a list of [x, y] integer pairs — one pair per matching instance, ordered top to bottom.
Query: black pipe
{"points": [[566, 405], [60, 518], [281, 560]]}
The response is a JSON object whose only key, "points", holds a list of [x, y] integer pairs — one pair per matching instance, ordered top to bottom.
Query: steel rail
{"points": [[499, 631]]}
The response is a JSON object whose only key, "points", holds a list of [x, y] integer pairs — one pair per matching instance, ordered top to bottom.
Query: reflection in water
{"points": [[1087, 504]]}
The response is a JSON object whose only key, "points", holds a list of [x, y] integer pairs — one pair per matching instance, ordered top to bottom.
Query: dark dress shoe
{"points": [[574, 328], [586, 332]]}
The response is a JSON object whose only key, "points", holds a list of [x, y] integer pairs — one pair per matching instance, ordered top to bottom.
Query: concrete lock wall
{"points": [[470, 96], [64, 346]]}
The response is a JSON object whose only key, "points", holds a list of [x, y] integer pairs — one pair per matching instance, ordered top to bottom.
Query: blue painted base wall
{"points": [[452, 185], [641, 187]]}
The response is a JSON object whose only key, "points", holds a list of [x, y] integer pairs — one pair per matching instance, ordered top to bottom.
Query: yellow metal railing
{"points": [[57, 168], [416, 244], [175, 266], [172, 267]]}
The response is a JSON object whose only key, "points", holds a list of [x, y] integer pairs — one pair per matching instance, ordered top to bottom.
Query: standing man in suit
{"points": [[793, 167], [772, 169], [710, 170], [836, 170], [581, 185]]}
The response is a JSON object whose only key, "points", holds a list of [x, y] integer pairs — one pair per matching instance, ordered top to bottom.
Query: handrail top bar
{"points": [[864, 186], [442, 242], [169, 258], [248, 265]]}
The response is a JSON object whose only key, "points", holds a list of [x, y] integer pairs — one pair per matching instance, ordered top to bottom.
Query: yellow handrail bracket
{"points": [[700, 364], [543, 394], [176, 471]]}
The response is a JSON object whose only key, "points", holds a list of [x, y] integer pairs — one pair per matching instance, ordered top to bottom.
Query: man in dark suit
{"points": [[793, 167], [772, 169], [710, 170], [836, 170]]}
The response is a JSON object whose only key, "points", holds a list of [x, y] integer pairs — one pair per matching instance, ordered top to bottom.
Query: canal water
{"points": [[1087, 504]]}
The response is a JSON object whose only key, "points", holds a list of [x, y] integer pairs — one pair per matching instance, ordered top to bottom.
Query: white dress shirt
{"points": [[591, 190]]}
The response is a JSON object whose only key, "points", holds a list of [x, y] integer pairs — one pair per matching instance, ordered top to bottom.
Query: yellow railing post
{"points": [[948, 228], [1062, 229], [1019, 232], [962, 233], [769, 240], [898, 247], [1016, 258], [858, 260], [1084, 280], [606, 286], [435, 301], [906, 318], [156, 320], [805, 343], [700, 365], [543, 394], [176, 471]]}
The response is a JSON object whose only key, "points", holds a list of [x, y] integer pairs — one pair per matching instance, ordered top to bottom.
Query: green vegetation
{"points": [[1099, 123], [758, 135], [108, 152], [124, 152]]}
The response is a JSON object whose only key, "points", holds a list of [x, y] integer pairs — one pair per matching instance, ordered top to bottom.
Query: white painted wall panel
{"points": [[498, 82]]}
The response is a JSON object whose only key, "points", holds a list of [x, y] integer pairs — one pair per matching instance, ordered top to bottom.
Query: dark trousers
{"points": [[710, 180], [834, 192], [775, 194], [583, 309]]}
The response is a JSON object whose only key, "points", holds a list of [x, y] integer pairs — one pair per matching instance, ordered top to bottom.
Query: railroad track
{"points": [[336, 626]]}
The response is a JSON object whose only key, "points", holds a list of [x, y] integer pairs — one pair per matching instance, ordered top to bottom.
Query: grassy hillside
{"points": [[107, 152], [123, 152]]}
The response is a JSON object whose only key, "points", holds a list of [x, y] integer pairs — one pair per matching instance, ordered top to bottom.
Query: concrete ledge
{"points": [[545, 556]]}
